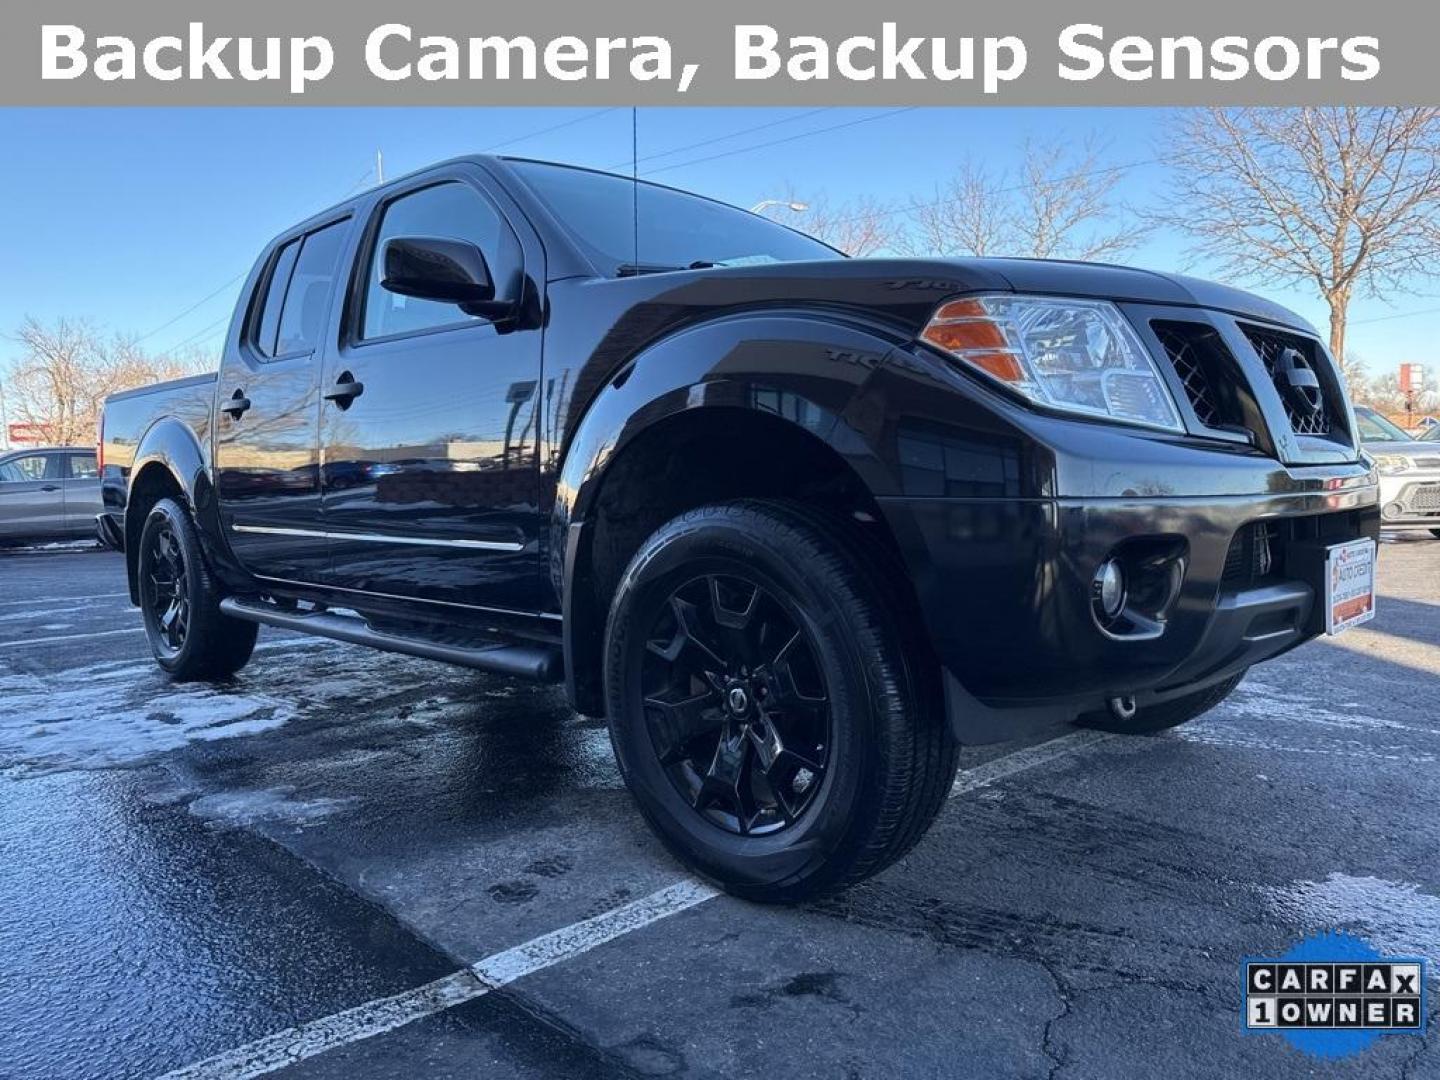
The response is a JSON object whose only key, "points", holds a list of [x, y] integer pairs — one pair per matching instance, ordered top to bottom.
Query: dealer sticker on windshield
{"points": [[1349, 585]]}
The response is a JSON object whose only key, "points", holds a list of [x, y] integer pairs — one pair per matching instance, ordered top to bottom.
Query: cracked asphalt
{"points": [[185, 870]]}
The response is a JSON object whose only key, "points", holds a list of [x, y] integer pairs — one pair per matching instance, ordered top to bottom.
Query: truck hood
{"points": [[1105, 281], [911, 288]]}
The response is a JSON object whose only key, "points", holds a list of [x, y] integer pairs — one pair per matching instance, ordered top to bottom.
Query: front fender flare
{"points": [[803, 368]]}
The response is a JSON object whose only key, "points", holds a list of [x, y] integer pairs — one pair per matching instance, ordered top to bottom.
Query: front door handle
{"points": [[345, 390], [237, 405], [50, 487]]}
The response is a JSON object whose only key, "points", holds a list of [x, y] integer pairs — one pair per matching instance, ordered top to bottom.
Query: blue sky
{"points": [[129, 217]]}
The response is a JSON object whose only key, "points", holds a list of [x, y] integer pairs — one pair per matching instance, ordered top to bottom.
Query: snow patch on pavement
{"points": [[1256, 699], [109, 723], [1330, 728], [269, 806], [1397, 917]]}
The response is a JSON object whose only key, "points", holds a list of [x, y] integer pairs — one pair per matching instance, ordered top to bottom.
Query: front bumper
{"points": [[1410, 500], [1005, 587]]}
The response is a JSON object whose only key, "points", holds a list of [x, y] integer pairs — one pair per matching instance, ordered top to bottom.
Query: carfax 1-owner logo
{"points": [[1333, 995]]}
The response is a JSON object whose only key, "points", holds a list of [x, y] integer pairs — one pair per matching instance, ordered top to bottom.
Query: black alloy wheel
{"points": [[166, 589], [180, 600], [736, 704], [772, 708]]}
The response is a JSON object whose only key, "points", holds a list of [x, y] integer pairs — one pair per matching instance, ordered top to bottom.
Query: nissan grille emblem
{"points": [[1299, 384]]}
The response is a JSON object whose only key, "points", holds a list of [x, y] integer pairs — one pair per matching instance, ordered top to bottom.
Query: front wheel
{"points": [[1435, 533], [180, 601], [1149, 719], [779, 731]]}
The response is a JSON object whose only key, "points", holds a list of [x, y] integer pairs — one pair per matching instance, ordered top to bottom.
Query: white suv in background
{"points": [[1409, 472]]}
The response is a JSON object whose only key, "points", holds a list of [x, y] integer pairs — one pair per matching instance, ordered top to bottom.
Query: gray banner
{"points": [[281, 52]]}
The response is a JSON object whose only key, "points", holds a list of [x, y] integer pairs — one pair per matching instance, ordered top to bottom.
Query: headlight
{"points": [[1077, 355], [1390, 464]]}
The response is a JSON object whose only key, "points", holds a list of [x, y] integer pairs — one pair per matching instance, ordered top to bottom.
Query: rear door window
{"points": [[297, 296], [275, 298], [307, 301], [83, 467]]}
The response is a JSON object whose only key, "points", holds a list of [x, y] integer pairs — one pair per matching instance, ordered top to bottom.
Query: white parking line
{"points": [[62, 599], [69, 637], [1009, 764], [295, 1044], [284, 1048]]}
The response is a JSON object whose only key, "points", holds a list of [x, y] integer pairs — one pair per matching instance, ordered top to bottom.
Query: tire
{"points": [[1435, 533], [180, 601], [1162, 717], [837, 744]]}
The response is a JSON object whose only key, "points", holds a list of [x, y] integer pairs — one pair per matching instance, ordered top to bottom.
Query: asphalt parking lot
{"points": [[352, 864]]}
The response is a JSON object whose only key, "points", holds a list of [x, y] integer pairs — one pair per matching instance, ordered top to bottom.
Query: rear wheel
{"points": [[1435, 533], [180, 601], [767, 714], [1152, 718]]}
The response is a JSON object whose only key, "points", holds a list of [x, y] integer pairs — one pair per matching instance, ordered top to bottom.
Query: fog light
{"points": [[1393, 510], [1109, 588]]}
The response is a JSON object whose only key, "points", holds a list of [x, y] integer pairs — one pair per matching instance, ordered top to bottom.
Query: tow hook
{"points": [[1122, 708]]}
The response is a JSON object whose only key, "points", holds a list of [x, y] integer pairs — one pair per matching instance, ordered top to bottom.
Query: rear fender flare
{"points": [[171, 446]]}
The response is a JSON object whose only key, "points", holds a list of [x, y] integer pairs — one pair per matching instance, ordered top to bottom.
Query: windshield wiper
{"points": [[636, 269]]}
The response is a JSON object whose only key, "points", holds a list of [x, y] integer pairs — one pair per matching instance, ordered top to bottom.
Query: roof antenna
{"points": [[635, 178]]}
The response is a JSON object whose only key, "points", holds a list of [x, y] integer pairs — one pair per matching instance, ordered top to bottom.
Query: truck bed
{"points": [[129, 414]]}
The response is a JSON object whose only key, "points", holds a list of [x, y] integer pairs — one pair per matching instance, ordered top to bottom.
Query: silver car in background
{"points": [[1409, 472], [48, 493]]}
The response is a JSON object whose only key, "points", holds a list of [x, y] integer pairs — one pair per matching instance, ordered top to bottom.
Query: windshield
{"points": [[677, 230], [1375, 428], [1432, 433]]}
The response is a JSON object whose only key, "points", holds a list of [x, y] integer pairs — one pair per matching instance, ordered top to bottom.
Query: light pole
{"points": [[765, 204]]}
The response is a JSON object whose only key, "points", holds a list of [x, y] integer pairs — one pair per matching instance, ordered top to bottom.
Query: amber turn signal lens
{"points": [[962, 309], [970, 334], [1003, 365]]}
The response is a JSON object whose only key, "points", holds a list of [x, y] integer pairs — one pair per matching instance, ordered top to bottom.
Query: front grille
{"points": [[1271, 345], [1182, 350], [1205, 369], [1423, 496], [1260, 551], [1254, 555]]}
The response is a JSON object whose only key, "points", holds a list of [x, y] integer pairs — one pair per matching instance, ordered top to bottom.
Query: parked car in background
{"points": [[1409, 472], [48, 493]]}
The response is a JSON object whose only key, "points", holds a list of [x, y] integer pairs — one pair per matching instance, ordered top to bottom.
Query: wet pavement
{"points": [[188, 870]]}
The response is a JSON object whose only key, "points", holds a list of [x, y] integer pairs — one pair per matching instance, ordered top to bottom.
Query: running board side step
{"points": [[538, 663]]}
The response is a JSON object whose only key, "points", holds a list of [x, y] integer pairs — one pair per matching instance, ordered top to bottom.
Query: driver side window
{"points": [[452, 211]]}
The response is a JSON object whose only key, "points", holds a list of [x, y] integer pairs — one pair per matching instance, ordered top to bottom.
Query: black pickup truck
{"points": [[798, 525]]}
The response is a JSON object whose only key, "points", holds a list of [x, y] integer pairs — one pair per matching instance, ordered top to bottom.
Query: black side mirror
{"points": [[450, 271]]}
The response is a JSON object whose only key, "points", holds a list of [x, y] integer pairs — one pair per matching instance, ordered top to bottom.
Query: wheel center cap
{"points": [[737, 700]]}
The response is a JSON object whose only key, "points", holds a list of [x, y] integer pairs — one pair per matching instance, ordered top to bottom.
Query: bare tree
{"points": [[1343, 199], [1061, 204], [971, 214], [858, 227], [65, 370]]}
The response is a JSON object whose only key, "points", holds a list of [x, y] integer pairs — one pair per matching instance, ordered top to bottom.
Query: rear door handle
{"points": [[345, 390], [237, 405], [49, 487]]}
